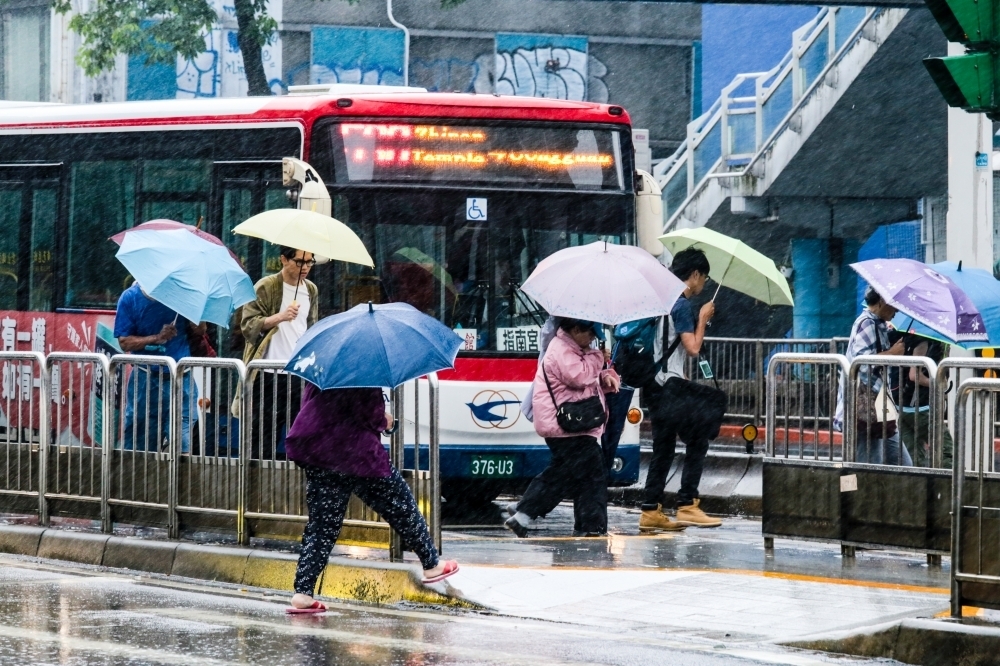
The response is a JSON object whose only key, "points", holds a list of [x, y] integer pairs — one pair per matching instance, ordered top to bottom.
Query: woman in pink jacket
{"points": [[575, 372]]}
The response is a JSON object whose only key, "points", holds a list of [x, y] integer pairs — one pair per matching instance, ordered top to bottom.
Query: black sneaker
{"points": [[515, 526], [578, 533]]}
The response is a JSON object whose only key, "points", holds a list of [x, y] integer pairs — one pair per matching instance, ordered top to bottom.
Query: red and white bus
{"points": [[456, 196]]}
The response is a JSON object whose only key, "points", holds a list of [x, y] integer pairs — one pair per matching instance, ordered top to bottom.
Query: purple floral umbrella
{"points": [[917, 290]]}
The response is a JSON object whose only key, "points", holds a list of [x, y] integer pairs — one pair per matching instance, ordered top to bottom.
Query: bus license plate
{"points": [[496, 466]]}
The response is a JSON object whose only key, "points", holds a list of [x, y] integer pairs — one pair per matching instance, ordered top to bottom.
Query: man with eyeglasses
{"points": [[287, 304]]}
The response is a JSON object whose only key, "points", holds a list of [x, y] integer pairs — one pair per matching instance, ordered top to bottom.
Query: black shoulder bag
{"points": [[577, 416]]}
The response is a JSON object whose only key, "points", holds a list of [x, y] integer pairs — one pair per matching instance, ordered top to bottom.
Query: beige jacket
{"points": [[268, 303]]}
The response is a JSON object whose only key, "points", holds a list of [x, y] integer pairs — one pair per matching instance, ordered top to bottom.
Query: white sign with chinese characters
{"points": [[470, 336], [519, 339]]}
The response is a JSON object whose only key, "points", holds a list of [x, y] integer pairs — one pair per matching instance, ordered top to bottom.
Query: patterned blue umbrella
{"points": [[373, 346]]}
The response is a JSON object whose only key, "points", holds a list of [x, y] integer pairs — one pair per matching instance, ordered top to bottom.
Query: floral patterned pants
{"points": [[327, 494]]}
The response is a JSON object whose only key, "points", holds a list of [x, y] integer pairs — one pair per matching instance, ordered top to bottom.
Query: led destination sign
{"points": [[560, 157]]}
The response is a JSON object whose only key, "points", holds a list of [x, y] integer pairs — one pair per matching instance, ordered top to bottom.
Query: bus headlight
{"points": [[634, 416], [617, 465]]}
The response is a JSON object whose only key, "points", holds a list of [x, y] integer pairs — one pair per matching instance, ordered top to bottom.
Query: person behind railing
{"points": [[287, 304], [143, 325], [870, 336], [570, 412], [914, 418], [336, 441]]}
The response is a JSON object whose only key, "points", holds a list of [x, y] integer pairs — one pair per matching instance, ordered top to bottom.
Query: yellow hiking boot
{"points": [[695, 517], [654, 520]]}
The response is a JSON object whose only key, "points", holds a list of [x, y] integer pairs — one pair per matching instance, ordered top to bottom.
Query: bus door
{"points": [[243, 189], [240, 191], [29, 212]]}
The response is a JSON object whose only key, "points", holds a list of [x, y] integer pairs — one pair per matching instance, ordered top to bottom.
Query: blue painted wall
{"points": [[738, 39], [891, 241], [824, 301]]}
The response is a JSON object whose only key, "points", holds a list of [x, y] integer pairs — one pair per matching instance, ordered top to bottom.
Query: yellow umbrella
{"points": [[308, 231]]}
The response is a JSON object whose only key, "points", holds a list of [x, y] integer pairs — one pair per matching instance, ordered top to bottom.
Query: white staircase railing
{"points": [[754, 108]]}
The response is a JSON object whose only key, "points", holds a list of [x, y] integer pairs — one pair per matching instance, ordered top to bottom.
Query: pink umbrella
{"points": [[163, 225], [611, 284]]}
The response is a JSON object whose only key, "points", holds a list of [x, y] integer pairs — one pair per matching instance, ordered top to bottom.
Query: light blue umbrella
{"points": [[197, 279], [982, 289], [373, 346]]}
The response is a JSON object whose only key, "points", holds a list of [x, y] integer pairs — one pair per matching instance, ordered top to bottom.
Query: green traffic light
{"points": [[969, 22], [966, 81]]}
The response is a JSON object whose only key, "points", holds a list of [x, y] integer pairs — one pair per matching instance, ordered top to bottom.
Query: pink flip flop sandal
{"points": [[450, 567], [315, 609]]}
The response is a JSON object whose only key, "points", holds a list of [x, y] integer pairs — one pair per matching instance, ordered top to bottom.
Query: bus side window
{"points": [[102, 203], [10, 225]]}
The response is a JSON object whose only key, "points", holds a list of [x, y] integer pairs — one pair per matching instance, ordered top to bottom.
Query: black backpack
{"points": [[634, 351]]}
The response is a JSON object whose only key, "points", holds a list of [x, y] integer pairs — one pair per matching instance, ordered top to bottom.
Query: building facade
{"points": [[642, 56]]}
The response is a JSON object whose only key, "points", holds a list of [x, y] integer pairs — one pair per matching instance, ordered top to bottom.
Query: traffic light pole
{"points": [[970, 186], [970, 195]]}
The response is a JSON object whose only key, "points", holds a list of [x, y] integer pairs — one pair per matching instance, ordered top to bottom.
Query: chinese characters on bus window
{"points": [[470, 338], [518, 339]]}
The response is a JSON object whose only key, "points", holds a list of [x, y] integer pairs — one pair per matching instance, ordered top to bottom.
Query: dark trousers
{"points": [[618, 404], [273, 412], [666, 423], [575, 472], [327, 494]]}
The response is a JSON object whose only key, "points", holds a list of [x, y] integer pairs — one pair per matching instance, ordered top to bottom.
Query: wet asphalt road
{"points": [[50, 614]]}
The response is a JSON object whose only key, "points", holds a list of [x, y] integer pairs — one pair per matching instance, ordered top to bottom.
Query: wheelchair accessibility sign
{"points": [[475, 208]]}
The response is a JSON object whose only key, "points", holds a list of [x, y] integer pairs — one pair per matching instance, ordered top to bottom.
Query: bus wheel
{"points": [[470, 502]]}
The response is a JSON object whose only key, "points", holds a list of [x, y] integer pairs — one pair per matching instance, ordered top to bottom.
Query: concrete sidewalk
{"points": [[726, 606]]}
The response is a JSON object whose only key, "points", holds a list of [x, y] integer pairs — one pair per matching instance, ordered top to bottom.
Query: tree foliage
{"points": [[160, 30]]}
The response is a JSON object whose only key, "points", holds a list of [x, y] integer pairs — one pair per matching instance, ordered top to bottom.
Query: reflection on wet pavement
{"points": [[737, 545], [73, 617]]}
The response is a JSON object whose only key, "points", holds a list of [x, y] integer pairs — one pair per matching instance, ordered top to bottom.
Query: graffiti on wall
{"points": [[370, 56], [375, 56], [553, 66], [219, 71], [216, 72]]}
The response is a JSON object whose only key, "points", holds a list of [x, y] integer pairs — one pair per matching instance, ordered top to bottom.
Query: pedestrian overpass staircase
{"points": [[739, 147]]}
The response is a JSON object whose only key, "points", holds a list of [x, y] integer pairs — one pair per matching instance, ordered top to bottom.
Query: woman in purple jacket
{"points": [[336, 440]]}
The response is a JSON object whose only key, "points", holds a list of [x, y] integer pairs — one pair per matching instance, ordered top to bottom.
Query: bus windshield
{"points": [[465, 269]]}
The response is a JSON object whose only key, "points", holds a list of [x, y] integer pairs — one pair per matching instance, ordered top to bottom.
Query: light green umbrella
{"points": [[734, 264]]}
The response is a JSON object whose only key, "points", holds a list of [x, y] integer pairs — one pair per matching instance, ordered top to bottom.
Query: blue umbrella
{"points": [[191, 276], [984, 292], [373, 346]]}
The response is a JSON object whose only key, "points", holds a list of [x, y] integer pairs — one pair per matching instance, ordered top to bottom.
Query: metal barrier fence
{"points": [[740, 366], [807, 397], [873, 407], [23, 424], [193, 445], [73, 467], [142, 479], [811, 492], [975, 558]]}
